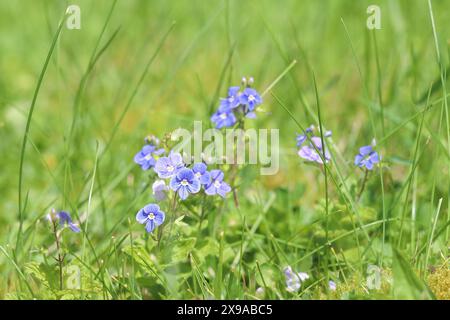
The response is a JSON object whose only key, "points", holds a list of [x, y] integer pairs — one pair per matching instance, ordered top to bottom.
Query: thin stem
{"points": [[363, 185], [60, 258]]}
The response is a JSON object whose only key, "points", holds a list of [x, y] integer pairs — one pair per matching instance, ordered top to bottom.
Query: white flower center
{"points": [[251, 98], [231, 99], [223, 116], [148, 157], [170, 168], [198, 174], [184, 182], [217, 184], [151, 216]]}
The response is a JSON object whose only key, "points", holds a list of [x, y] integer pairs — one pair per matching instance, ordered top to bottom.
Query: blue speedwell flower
{"points": [[250, 98], [232, 101], [223, 119], [301, 138], [309, 153], [144, 157], [367, 157], [167, 167], [201, 173], [184, 183], [217, 185], [151, 216], [65, 219], [294, 279], [332, 285]]}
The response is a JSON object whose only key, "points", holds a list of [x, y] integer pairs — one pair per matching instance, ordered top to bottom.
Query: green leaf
{"points": [[407, 284]]}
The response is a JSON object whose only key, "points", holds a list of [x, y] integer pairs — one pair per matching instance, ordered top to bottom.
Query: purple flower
{"points": [[251, 98], [230, 102], [223, 119], [301, 138], [309, 153], [144, 157], [367, 157], [167, 167], [200, 172], [185, 182], [217, 185], [159, 189], [151, 216], [64, 218], [294, 279], [332, 285]]}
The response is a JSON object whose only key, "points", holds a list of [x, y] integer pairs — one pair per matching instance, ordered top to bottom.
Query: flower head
{"points": [[250, 98], [231, 101], [223, 119], [301, 138], [309, 152], [144, 157], [366, 157], [167, 167], [200, 172], [185, 182], [217, 185], [159, 189], [151, 216], [64, 219], [294, 279], [332, 285]]}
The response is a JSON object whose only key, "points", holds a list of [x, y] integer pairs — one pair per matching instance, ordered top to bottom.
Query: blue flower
{"points": [[250, 98], [230, 102], [223, 119], [301, 138], [309, 153], [144, 157], [367, 157], [167, 167], [200, 172], [185, 182], [217, 185], [151, 216], [64, 218], [294, 279], [332, 285]]}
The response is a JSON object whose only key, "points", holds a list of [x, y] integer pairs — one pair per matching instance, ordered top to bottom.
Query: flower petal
{"points": [[141, 216]]}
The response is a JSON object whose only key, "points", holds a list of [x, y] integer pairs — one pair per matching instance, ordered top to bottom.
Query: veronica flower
{"points": [[250, 98], [230, 102], [223, 119], [301, 138], [309, 153], [144, 157], [367, 157], [167, 167], [201, 174], [185, 182], [217, 185], [159, 189], [151, 216], [64, 219], [294, 279], [332, 285]]}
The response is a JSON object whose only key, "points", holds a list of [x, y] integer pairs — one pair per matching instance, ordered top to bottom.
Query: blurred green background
{"points": [[181, 85]]}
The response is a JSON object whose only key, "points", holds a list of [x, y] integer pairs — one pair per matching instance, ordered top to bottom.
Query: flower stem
{"points": [[366, 174], [60, 258]]}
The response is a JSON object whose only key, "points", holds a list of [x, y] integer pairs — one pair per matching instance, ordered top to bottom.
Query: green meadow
{"points": [[77, 104]]}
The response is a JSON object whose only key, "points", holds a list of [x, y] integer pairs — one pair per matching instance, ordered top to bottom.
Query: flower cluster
{"points": [[237, 104], [310, 146], [174, 174], [294, 279]]}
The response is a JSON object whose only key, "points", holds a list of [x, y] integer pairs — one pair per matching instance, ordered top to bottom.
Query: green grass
{"points": [[75, 106]]}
